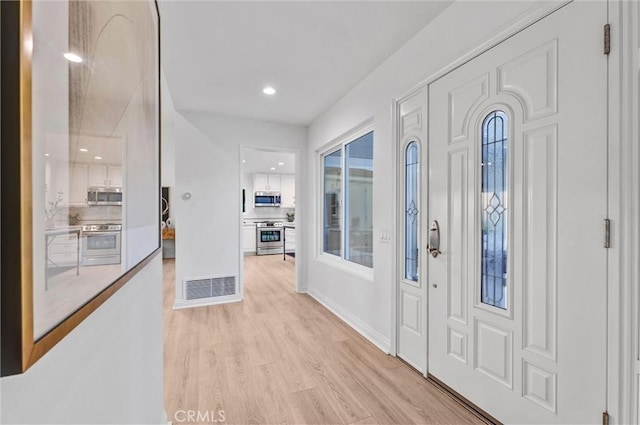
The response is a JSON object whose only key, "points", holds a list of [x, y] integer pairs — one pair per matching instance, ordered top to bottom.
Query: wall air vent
{"points": [[209, 287]]}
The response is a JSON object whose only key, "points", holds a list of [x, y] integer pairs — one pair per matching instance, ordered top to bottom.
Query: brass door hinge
{"points": [[607, 39], [607, 233], [605, 418]]}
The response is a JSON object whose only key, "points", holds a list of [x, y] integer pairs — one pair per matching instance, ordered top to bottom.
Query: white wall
{"points": [[458, 30], [208, 149], [168, 150], [107, 370]]}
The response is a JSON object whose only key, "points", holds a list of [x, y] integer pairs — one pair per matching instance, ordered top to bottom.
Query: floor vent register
{"points": [[211, 287]]}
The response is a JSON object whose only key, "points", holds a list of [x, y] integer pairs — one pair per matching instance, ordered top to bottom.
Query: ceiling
{"points": [[219, 55], [259, 161]]}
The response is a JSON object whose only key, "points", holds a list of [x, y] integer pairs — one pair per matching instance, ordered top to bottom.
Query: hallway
{"points": [[280, 357]]}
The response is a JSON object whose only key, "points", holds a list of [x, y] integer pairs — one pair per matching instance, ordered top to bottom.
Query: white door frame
{"points": [[624, 208], [300, 221], [623, 386]]}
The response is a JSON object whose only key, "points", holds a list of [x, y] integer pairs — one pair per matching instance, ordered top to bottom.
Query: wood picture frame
{"points": [[21, 213]]}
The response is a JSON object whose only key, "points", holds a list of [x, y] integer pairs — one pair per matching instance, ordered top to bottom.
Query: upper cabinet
{"points": [[102, 175], [115, 175], [72, 180], [266, 182], [71, 183], [78, 184], [288, 190]]}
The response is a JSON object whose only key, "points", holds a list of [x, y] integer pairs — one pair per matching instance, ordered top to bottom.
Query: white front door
{"points": [[517, 162]]}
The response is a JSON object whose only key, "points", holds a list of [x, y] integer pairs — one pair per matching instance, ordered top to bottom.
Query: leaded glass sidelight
{"points": [[494, 209], [411, 244]]}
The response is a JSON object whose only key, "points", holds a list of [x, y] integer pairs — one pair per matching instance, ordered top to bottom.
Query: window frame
{"points": [[339, 144]]}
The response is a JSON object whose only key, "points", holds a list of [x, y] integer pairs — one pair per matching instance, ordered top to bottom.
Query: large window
{"points": [[348, 201], [494, 209]]}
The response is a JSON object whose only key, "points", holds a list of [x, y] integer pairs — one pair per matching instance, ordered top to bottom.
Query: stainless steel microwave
{"points": [[104, 196], [266, 199]]}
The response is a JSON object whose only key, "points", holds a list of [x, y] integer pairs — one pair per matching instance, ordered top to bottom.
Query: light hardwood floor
{"points": [[281, 358]]}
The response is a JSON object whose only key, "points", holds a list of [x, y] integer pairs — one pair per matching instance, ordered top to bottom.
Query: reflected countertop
{"points": [[62, 230]]}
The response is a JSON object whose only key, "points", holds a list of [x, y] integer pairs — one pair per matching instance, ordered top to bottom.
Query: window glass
{"points": [[359, 197], [332, 203], [494, 209], [411, 244]]}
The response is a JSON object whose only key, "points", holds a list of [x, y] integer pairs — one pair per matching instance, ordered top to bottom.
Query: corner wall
{"points": [[208, 226], [367, 305]]}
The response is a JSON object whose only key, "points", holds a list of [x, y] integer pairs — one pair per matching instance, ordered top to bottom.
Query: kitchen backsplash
{"points": [[266, 212], [97, 214]]}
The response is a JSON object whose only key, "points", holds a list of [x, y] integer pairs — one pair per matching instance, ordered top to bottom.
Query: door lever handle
{"points": [[434, 239]]}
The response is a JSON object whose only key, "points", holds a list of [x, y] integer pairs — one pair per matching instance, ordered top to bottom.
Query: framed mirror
{"points": [[80, 171]]}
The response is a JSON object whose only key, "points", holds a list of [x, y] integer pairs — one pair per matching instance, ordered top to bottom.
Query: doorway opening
{"points": [[268, 216]]}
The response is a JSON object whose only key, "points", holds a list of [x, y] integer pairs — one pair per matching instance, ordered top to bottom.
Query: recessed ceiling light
{"points": [[72, 57], [269, 90], [84, 150], [46, 154], [97, 157], [244, 160], [280, 163], [273, 168]]}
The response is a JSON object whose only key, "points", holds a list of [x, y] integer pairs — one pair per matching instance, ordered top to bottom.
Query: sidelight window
{"points": [[411, 204], [494, 209]]}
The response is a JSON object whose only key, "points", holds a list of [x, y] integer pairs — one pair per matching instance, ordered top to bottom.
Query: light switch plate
{"points": [[385, 236]]}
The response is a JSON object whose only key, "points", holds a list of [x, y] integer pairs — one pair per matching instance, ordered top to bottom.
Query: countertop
{"points": [[62, 230]]}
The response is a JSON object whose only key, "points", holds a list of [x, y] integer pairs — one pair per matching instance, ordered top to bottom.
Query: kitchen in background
{"points": [[84, 194], [268, 203]]}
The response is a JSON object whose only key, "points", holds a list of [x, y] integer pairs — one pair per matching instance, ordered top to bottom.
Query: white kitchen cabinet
{"points": [[114, 173], [97, 175], [103, 175], [71, 181], [61, 182], [260, 182], [266, 182], [78, 184], [288, 190], [249, 239], [290, 240], [63, 250]]}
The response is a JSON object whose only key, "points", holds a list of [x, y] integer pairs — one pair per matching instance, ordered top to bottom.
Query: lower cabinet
{"points": [[249, 239], [290, 240], [63, 251]]}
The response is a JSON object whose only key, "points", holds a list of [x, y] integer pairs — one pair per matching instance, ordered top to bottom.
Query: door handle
{"points": [[434, 239]]}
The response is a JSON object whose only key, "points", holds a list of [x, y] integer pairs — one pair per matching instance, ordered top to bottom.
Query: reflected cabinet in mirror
{"points": [[80, 163]]}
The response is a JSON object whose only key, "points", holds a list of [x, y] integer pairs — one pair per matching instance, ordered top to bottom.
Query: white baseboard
{"points": [[179, 304], [375, 337]]}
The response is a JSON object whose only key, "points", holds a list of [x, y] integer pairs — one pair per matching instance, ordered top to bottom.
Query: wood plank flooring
{"points": [[281, 358]]}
